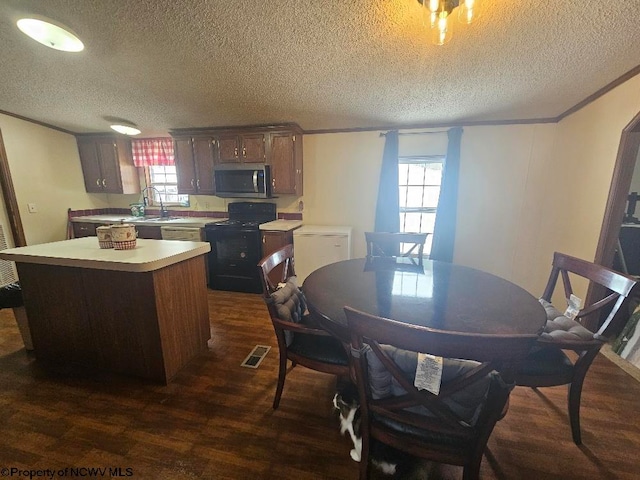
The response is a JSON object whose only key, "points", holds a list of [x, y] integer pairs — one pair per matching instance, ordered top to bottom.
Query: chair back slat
{"points": [[388, 244], [284, 256], [619, 288], [468, 346], [491, 351], [414, 397], [472, 397]]}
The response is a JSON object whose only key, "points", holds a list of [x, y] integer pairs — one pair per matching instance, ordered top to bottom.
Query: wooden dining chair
{"points": [[388, 244], [299, 338], [548, 365], [452, 426]]}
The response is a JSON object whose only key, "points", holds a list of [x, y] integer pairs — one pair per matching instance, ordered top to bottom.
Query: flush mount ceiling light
{"points": [[438, 16], [52, 34], [126, 128]]}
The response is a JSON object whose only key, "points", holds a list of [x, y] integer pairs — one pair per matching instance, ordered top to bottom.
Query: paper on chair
{"points": [[428, 373]]}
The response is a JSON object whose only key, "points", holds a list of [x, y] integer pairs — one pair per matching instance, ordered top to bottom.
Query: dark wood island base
{"points": [[147, 324]]}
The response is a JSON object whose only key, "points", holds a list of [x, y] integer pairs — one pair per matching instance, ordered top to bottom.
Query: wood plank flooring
{"points": [[215, 421]]}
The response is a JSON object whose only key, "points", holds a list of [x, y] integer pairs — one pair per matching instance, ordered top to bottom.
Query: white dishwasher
{"points": [[194, 234], [318, 245]]}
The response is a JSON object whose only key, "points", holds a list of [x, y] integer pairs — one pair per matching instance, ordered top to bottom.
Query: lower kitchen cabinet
{"points": [[84, 229], [88, 229], [150, 232], [272, 241]]}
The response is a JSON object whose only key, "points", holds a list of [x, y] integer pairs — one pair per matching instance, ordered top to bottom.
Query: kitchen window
{"points": [[157, 157], [420, 178], [165, 179]]}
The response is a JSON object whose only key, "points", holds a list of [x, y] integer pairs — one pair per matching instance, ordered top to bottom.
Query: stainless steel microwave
{"points": [[248, 181]]}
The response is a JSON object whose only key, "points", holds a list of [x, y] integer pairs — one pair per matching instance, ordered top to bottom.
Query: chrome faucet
{"points": [[145, 200]]}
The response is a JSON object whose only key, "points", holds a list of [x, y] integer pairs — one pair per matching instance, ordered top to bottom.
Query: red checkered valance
{"points": [[149, 152]]}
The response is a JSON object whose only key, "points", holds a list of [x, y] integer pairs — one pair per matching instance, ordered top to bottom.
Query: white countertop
{"points": [[173, 221], [281, 225], [323, 230], [84, 252]]}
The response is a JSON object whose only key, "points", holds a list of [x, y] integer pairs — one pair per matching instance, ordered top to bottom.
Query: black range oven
{"points": [[236, 247]]}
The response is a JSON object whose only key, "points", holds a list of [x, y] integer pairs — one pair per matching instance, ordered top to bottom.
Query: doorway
{"points": [[618, 192], [9, 199], [616, 203]]}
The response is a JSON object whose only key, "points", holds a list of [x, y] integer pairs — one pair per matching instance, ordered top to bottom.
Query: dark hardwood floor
{"points": [[215, 420]]}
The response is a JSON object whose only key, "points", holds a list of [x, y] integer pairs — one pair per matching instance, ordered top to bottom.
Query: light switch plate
{"points": [[32, 207]]}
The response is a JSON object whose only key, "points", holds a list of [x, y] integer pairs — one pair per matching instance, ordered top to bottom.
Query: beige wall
{"points": [[586, 152], [45, 169], [341, 173], [502, 176], [580, 178]]}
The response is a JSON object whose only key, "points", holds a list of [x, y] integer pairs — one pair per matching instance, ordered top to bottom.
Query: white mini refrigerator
{"points": [[318, 245]]}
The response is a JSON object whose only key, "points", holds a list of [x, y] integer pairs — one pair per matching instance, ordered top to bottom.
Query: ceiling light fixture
{"points": [[438, 13], [50, 33], [126, 128]]}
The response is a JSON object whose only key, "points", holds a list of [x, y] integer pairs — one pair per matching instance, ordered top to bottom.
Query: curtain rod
{"points": [[417, 133]]}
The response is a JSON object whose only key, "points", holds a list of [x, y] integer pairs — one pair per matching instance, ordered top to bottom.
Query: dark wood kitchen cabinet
{"points": [[242, 148], [199, 150], [195, 157], [285, 158], [107, 164], [84, 229], [88, 229], [149, 231], [272, 241], [144, 320]]}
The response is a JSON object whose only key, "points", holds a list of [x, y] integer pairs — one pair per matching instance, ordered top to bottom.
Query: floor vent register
{"points": [[254, 359]]}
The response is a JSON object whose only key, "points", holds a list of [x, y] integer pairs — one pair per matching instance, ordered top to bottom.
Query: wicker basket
{"points": [[126, 245]]}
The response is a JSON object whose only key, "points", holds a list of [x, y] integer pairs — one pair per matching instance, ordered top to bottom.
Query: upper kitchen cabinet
{"points": [[241, 148], [199, 150], [195, 156], [285, 158], [107, 164]]}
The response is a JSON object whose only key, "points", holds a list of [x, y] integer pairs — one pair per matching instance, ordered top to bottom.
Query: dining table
{"points": [[435, 294]]}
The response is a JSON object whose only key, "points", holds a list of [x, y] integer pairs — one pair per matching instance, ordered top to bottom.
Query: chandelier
{"points": [[438, 15]]}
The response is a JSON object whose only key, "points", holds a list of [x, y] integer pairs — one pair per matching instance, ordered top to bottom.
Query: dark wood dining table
{"points": [[435, 294]]}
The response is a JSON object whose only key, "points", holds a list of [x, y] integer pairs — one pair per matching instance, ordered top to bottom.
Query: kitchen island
{"points": [[140, 312]]}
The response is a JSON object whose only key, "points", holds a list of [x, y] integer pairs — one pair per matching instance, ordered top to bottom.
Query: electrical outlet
{"points": [[207, 205], [32, 207]]}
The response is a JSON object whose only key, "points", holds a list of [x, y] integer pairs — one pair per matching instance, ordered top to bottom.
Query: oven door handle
{"points": [[255, 181]]}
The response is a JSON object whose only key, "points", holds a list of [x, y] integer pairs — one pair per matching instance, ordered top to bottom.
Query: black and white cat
{"points": [[349, 411], [389, 460]]}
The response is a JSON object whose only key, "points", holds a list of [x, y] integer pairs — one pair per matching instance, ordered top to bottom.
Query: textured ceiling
{"points": [[329, 64]]}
